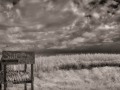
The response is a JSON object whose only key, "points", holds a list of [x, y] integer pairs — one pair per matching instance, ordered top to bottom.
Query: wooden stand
{"points": [[15, 61], [24, 82]]}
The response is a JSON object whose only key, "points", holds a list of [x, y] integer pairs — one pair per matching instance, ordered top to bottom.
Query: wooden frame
{"points": [[15, 61]]}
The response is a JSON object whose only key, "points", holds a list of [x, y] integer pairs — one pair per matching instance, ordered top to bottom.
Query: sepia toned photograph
{"points": [[59, 44]]}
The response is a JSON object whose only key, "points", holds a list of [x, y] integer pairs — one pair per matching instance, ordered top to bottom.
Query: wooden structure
{"points": [[7, 75]]}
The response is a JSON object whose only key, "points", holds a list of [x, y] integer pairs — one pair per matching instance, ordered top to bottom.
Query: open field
{"points": [[77, 72]]}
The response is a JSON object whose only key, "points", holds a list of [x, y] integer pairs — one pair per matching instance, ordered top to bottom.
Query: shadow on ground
{"points": [[90, 66]]}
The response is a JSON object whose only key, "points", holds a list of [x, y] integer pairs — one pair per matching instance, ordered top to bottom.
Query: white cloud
{"points": [[106, 27], [89, 35], [78, 40]]}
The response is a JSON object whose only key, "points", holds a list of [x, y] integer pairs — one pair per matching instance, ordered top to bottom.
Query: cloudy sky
{"points": [[57, 24]]}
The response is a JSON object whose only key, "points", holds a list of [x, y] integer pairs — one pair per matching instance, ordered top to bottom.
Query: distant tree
{"points": [[14, 2]]}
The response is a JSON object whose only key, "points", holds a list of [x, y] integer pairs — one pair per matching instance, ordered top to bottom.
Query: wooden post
{"points": [[25, 68], [0, 73], [32, 78], [5, 82], [0, 86]]}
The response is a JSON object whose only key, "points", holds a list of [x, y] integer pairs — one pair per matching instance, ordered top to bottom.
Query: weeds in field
{"points": [[77, 61], [73, 72]]}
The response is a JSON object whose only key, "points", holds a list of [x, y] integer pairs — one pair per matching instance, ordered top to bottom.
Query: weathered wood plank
{"points": [[18, 57]]}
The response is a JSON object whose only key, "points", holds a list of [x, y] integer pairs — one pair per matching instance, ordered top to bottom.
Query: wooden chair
{"points": [[17, 76]]}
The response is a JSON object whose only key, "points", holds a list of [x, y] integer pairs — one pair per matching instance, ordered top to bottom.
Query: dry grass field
{"points": [[76, 72]]}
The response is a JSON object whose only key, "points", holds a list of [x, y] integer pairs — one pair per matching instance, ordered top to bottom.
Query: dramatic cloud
{"points": [[57, 24]]}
